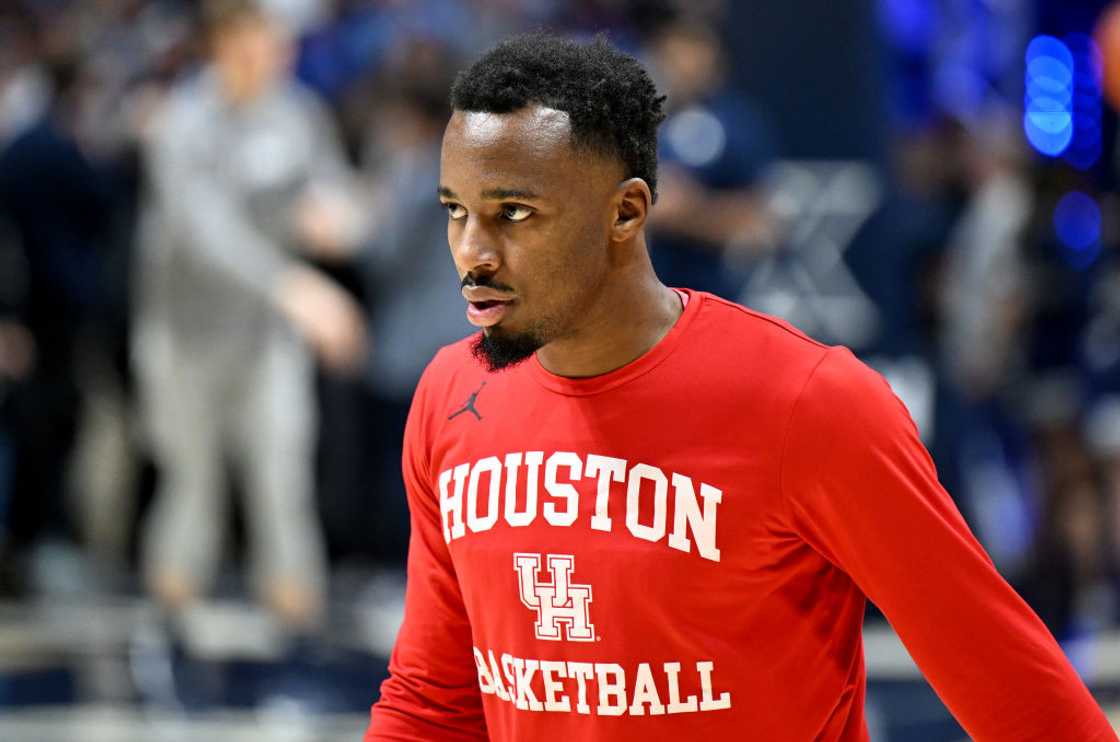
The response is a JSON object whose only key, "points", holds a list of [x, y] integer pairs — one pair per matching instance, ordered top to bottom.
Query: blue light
{"points": [[911, 23], [1049, 47], [1051, 71], [1042, 87], [1048, 103], [1051, 116], [1050, 134], [1085, 150], [1077, 223]]}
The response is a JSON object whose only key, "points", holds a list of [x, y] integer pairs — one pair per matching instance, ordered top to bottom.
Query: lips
{"points": [[485, 293], [486, 306], [487, 313]]}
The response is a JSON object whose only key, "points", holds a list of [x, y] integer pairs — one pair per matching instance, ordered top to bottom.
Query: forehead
{"points": [[533, 129], [530, 147]]}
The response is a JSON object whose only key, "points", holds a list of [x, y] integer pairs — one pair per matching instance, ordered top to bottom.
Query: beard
{"points": [[499, 350]]}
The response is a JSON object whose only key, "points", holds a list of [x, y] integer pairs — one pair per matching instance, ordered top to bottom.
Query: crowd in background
{"points": [[223, 268]]}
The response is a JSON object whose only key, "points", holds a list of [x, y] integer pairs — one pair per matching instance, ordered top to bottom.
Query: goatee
{"points": [[498, 350]]}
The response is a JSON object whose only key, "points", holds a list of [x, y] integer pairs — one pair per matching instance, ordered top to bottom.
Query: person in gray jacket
{"points": [[245, 173]]}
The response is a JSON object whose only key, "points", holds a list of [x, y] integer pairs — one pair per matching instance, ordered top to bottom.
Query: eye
{"points": [[454, 211], [515, 213]]}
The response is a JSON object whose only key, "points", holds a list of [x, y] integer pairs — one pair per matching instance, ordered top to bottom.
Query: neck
{"points": [[236, 91], [630, 317]]}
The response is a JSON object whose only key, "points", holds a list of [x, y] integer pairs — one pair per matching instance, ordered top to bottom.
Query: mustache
{"points": [[484, 281]]}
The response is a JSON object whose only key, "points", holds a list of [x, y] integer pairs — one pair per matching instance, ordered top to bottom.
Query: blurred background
{"points": [[223, 268]]}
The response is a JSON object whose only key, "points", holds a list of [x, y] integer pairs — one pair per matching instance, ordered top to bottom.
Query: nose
{"points": [[473, 247]]}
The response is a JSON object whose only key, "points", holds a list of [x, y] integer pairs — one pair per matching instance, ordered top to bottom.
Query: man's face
{"points": [[251, 54], [690, 64], [528, 225]]}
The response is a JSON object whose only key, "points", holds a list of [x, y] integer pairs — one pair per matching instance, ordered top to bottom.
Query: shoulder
{"points": [[193, 98], [303, 102], [187, 112], [745, 320], [748, 343], [453, 358], [777, 369], [841, 377], [845, 402]]}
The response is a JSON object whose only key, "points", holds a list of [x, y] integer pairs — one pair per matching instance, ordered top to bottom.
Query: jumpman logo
{"points": [[469, 406]]}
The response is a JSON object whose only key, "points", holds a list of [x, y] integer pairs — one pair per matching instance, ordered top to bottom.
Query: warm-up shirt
{"points": [[681, 549]]}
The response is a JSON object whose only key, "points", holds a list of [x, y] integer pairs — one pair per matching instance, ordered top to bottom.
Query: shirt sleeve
{"points": [[862, 490], [432, 691]]}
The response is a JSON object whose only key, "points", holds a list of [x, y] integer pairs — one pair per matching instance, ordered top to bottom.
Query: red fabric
{"points": [[825, 495]]}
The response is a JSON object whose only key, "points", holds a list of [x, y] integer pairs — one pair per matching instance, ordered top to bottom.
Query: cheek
{"points": [[591, 250], [555, 266], [577, 266]]}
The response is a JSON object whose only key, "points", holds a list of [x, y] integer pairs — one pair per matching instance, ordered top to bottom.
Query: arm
{"points": [[327, 216], [716, 217], [212, 218], [863, 491], [432, 691]]}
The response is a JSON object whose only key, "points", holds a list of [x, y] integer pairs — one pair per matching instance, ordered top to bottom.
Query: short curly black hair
{"points": [[611, 102]]}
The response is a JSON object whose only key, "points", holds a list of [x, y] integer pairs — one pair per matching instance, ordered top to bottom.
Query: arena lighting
{"points": [[1048, 97], [696, 136], [1085, 149], [1077, 223]]}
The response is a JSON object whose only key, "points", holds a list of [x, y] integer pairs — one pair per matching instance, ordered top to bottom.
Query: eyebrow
{"points": [[494, 193]]}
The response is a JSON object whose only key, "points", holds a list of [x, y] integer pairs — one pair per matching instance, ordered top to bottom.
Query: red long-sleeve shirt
{"points": [[681, 549]]}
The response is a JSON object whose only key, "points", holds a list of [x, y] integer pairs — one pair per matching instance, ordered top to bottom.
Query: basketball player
{"points": [[644, 513]]}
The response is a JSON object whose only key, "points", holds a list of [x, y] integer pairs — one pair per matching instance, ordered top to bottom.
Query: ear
{"points": [[631, 204]]}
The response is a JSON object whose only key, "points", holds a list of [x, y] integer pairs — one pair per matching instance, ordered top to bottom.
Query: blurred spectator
{"points": [[24, 89], [714, 149], [245, 171], [59, 205], [983, 287], [412, 290], [415, 303], [981, 303], [1074, 578]]}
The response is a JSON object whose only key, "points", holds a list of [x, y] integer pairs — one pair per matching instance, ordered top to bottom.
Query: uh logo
{"points": [[558, 603]]}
